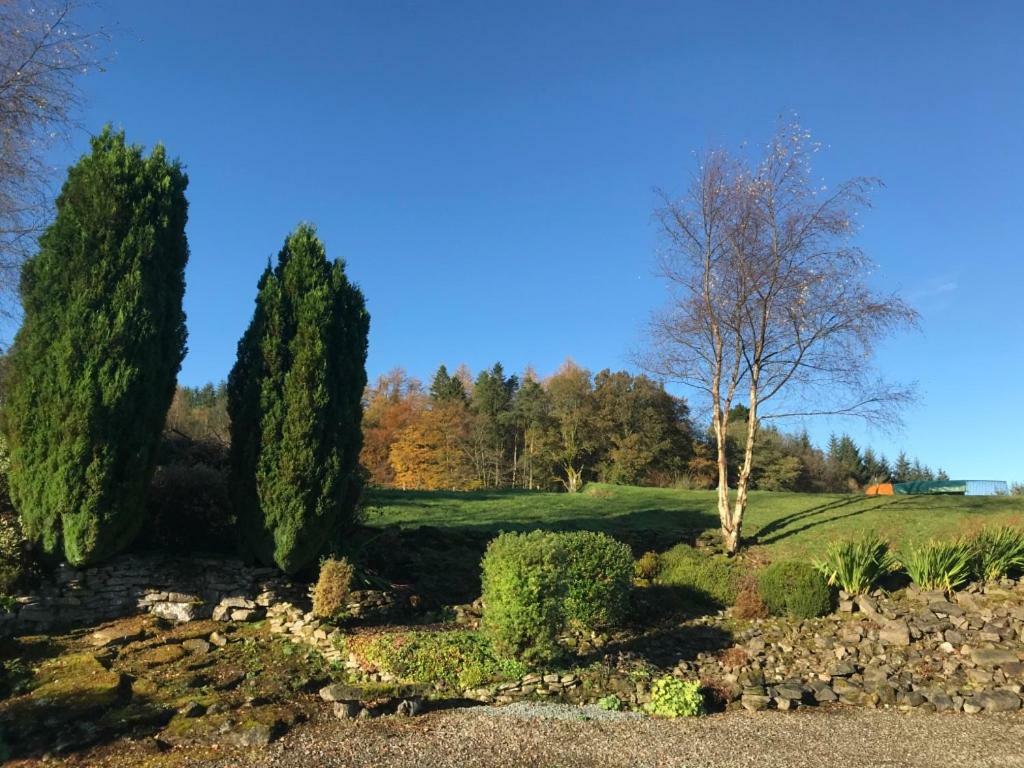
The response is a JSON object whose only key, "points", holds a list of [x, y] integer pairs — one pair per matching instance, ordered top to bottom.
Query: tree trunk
{"points": [[573, 478], [743, 481], [730, 535]]}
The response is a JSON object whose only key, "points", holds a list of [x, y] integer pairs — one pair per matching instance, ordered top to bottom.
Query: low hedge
{"points": [[711, 580], [538, 584], [794, 588]]}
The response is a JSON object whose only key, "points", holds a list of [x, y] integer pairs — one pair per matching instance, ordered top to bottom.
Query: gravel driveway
{"points": [[524, 737]]}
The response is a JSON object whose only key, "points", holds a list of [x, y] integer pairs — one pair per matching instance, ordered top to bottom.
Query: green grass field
{"points": [[781, 524]]}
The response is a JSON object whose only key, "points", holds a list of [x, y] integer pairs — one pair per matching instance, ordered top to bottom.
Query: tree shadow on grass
{"points": [[779, 529], [443, 563]]}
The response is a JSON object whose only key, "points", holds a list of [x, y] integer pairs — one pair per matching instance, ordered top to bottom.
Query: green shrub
{"points": [[92, 369], [295, 401], [189, 511], [997, 553], [13, 555], [943, 565], [646, 566], [856, 566], [599, 574], [707, 579], [536, 585], [794, 588], [523, 591], [330, 595], [455, 660], [672, 697], [611, 703]]}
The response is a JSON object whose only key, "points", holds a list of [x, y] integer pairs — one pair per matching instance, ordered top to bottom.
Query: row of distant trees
{"points": [[492, 430]]}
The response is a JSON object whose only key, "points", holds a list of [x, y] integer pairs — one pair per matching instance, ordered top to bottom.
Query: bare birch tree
{"points": [[42, 54], [771, 302]]}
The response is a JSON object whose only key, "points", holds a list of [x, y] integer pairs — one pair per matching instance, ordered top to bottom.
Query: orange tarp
{"points": [[882, 489]]}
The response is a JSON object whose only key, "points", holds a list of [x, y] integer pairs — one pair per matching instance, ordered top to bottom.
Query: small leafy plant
{"points": [[997, 553], [944, 565], [856, 566], [672, 697], [611, 703]]}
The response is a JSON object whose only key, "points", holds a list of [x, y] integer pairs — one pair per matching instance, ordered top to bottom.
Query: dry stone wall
{"points": [[177, 589]]}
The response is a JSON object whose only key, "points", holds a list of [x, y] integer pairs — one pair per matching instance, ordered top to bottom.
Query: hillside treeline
{"points": [[494, 430]]}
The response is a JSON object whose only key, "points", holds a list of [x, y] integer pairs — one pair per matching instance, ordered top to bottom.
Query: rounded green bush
{"points": [[599, 574], [706, 579], [536, 585], [794, 588], [522, 595]]}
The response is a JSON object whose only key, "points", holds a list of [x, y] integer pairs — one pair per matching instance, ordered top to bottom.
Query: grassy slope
{"points": [[785, 524]]}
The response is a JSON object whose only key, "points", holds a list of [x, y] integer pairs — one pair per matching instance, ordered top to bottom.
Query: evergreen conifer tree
{"points": [[93, 367], [294, 396]]}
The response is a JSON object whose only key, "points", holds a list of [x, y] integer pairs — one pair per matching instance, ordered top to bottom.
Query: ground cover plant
{"points": [[452, 659]]}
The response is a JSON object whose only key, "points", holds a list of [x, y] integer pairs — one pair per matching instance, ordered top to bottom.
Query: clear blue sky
{"points": [[486, 170]]}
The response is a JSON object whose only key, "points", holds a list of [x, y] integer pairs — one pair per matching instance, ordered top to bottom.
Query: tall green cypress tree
{"points": [[93, 367], [294, 396]]}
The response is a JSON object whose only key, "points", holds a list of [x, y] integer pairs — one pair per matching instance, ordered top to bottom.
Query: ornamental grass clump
{"points": [[997, 553], [944, 565], [856, 566], [330, 595]]}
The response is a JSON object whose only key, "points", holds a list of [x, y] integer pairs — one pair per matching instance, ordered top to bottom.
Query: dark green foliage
{"points": [[93, 367], [446, 388], [294, 397], [189, 511], [998, 552], [599, 574], [708, 579], [538, 584], [794, 588], [522, 594]]}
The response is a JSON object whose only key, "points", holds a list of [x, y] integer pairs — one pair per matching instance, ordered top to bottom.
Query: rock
{"points": [[868, 606], [176, 612], [221, 613], [246, 614], [895, 633], [112, 637], [219, 639], [197, 646], [162, 654], [993, 657], [842, 669], [1013, 669], [75, 685], [341, 692], [791, 692], [911, 699], [998, 701], [755, 702], [786, 705], [409, 707], [972, 708], [192, 709], [346, 710], [250, 734]]}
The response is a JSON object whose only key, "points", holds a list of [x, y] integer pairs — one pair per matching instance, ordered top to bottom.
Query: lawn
{"points": [[781, 524]]}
